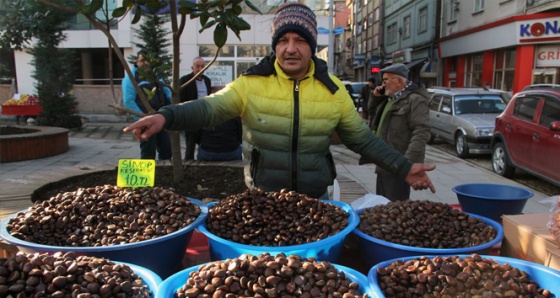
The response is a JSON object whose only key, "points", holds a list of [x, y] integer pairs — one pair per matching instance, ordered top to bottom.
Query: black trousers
{"points": [[191, 137], [392, 187]]}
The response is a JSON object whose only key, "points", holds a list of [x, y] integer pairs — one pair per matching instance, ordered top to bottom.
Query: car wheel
{"points": [[461, 146], [500, 161]]}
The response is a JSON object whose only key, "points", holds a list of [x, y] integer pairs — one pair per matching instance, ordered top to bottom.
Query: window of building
{"points": [[453, 6], [478, 6], [376, 14], [423, 19], [370, 20], [80, 22], [406, 27], [392, 34], [232, 61], [453, 64], [92, 66], [504, 69], [474, 71]]}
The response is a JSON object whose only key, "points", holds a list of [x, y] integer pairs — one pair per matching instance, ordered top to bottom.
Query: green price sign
{"points": [[136, 172]]}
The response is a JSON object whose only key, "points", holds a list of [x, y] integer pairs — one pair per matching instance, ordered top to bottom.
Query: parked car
{"points": [[353, 89], [506, 95], [465, 118], [527, 134]]}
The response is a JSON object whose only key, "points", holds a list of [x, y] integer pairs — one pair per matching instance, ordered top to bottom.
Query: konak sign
{"points": [[539, 31]]}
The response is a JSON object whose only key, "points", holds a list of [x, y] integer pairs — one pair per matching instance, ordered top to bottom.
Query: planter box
{"points": [[24, 110], [42, 142]]}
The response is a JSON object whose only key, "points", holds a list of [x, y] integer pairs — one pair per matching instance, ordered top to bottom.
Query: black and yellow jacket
{"points": [[287, 126]]}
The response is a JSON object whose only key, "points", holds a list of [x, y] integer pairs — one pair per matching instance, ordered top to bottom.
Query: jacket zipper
{"points": [[294, 163]]}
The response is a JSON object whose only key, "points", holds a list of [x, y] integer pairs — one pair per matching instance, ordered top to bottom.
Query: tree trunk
{"points": [[178, 172]]}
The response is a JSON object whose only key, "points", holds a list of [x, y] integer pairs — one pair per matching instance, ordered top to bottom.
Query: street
{"points": [[485, 162]]}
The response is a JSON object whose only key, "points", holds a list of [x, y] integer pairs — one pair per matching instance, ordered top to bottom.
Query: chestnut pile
{"points": [[104, 216], [260, 218], [425, 224], [65, 275], [268, 276], [453, 276]]}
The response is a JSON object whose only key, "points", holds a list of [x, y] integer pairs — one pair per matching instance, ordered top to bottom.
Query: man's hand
{"points": [[378, 91], [147, 126], [418, 179]]}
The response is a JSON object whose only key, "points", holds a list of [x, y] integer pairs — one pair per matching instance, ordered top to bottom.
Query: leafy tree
{"points": [[220, 14], [153, 34], [53, 67]]}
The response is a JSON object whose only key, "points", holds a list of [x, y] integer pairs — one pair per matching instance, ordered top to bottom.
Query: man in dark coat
{"points": [[201, 87], [364, 97], [402, 121]]}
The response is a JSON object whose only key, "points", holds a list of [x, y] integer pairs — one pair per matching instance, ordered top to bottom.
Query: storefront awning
{"points": [[415, 62], [428, 70]]}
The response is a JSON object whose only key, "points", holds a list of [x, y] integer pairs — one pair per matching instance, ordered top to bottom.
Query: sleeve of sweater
{"points": [[205, 112]]}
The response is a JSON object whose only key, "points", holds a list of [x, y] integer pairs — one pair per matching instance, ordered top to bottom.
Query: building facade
{"points": [[410, 37], [367, 38], [505, 44], [235, 57]]}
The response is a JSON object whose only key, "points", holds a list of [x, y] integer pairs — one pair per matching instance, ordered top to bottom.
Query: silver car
{"points": [[465, 117]]}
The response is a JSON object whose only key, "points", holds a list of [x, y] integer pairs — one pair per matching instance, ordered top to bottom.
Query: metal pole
{"points": [[330, 63]]}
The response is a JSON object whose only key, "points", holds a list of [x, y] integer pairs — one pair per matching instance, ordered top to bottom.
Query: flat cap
{"points": [[397, 68]]}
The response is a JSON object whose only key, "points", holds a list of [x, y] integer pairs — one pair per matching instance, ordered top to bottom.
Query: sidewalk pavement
{"points": [[99, 146]]}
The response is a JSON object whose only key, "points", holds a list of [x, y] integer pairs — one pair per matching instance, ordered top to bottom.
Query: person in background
{"points": [[201, 87], [364, 95], [290, 106], [402, 120], [160, 142], [221, 142]]}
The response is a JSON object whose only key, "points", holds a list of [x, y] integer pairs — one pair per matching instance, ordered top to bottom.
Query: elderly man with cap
{"points": [[289, 106], [402, 120]]}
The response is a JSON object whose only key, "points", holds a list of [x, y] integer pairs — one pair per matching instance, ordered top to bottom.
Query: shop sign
{"points": [[542, 30], [403, 56], [548, 56], [359, 60], [220, 75]]}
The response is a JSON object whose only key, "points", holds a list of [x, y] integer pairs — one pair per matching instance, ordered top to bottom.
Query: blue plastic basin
{"points": [[492, 200], [327, 249], [374, 250], [163, 255], [546, 277], [150, 278], [171, 284]]}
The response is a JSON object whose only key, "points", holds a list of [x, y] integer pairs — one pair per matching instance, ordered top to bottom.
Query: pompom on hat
{"points": [[295, 17]]}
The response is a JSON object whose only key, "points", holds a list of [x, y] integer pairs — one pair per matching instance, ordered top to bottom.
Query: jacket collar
{"points": [[268, 66]]}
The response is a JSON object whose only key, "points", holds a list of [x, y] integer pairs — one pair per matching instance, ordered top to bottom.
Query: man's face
{"points": [[293, 54], [140, 62], [197, 67], [392, 83]]}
